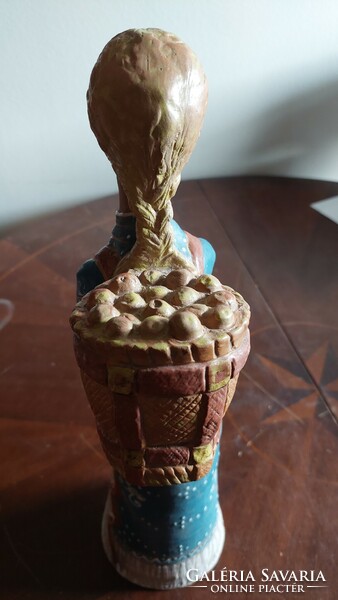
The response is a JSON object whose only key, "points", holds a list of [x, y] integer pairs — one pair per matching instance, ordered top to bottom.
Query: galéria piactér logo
{"points": [[268, 581]]}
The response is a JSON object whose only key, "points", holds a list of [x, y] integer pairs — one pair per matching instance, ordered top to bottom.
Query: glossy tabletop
{"points": [[278, 470]]}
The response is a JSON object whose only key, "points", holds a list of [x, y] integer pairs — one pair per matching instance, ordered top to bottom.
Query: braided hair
{"points": [[146, 102]]}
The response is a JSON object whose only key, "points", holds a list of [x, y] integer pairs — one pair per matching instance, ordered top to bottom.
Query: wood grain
{"points": [[278, 473]]}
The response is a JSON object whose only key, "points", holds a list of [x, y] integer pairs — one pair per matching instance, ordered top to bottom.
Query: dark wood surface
{"points": [[278, 472]]}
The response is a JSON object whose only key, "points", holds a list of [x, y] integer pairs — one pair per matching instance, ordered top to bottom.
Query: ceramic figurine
{"points": [[146, 102], [159, 340]]}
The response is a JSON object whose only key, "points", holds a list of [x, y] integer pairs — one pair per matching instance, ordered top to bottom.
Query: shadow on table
{"points": [[54, 550]]}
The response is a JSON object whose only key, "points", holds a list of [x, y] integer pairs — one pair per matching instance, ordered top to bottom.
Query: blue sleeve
{"points": [[181, 243], [209, 256]]}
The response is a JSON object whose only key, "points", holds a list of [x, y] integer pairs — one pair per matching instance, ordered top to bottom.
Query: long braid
{"points": [[154, 236]]}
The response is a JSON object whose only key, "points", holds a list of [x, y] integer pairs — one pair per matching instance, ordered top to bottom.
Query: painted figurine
{"points": [[146, 102], [159, 340]]}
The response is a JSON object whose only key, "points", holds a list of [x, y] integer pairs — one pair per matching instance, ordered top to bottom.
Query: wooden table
{"points": [[278, 474]]}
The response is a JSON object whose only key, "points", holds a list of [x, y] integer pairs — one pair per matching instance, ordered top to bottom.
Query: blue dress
{"points": [[190, 511]]}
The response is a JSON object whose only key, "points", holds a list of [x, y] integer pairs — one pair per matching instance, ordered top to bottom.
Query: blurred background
{"points": [[272, 67]]}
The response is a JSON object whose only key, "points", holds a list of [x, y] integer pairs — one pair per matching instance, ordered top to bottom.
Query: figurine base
{"points": [[150, 574]]}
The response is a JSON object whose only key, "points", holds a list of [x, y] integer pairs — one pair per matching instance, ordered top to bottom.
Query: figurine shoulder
{"points": [[87, 277]]}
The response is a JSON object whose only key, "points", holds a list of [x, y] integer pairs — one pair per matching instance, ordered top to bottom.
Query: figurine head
{"points": [[146, 102]]}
